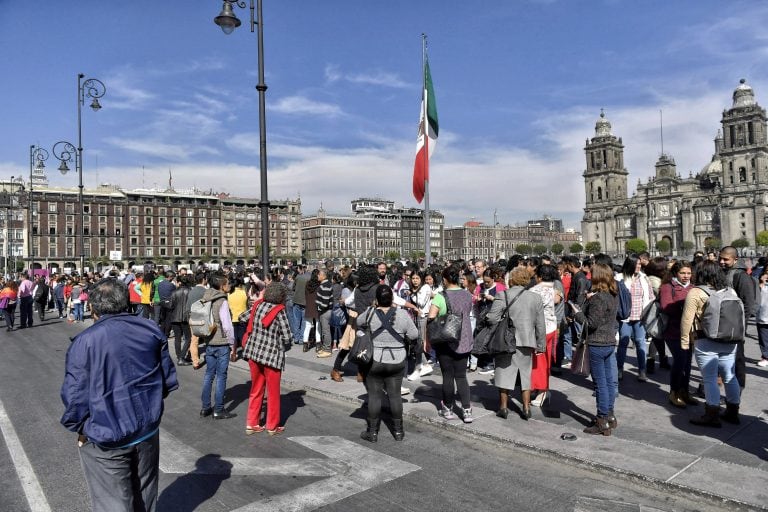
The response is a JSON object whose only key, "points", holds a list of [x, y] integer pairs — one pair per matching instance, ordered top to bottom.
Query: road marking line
{"points": [[682, 471], [29, 482]]}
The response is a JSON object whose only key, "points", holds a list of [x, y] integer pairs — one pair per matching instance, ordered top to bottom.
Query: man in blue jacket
{"points": [[118, 371]]}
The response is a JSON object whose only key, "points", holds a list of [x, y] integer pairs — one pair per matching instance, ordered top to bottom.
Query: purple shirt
{"points": [[25, 288]]}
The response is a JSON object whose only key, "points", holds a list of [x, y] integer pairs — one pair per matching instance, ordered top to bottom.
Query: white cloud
{"points": [[374, 77], [300, 105], [150, 148]]}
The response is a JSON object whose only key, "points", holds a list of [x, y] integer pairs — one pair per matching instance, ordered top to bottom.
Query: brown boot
{"points": [[336, 376], [360, 377], [686, 397], [676, 400], [731, 414], [711, 417], [611, 419], [600, 427]]}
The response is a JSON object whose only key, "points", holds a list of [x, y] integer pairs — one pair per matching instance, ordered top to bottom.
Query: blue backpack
{"points": [[625, 302]]}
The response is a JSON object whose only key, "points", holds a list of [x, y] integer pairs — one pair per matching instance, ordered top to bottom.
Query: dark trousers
{"points": [[61, 303], [25, 312], [9, 314], [181, 332], [762, 339], [740, 365], [454, 369], [680, 375], [381, 377], [122, 479]]}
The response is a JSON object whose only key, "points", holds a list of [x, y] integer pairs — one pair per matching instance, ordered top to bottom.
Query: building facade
{"points": [[723, 202], [134, 227]]}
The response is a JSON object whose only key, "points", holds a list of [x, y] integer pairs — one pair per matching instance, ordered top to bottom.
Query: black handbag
{"points": [[445, 329], [502, 341], [361, 352], [580, 361]]}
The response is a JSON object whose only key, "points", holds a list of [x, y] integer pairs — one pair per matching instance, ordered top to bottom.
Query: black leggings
{"points": [[337, 364], [453, 366], [389, 377]]}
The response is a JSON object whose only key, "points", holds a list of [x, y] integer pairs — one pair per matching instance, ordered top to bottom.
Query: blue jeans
{"points": [[60, 305], [78, 314], [296, 321], [633, 329], [572, 331], [713, 357], [602, 363], [216, 365]]}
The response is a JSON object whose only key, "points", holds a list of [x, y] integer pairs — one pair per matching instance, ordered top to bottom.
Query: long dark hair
{"points": [[629, 266], [710, 274], [314, 283]]}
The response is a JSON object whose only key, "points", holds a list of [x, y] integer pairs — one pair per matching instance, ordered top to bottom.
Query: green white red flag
{"points": [[427, 138]]}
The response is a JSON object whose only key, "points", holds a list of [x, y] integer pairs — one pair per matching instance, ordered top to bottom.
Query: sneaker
{"points": [[324, 353], [566, 363], [763, 363], [426, 369], [487, 370], [414, 376], [642, 377], [404, 391], [540, 399], [446, 412], [466, 415]]}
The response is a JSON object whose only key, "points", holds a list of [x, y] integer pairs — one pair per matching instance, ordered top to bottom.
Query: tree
{"points": [[762, 239], [713, 243], [740, 243], [636, 245], [663, 246], [688, 246], [592, 247], [558, 248], [575, 248], [523, 249], [539, 249], [392, 255]]}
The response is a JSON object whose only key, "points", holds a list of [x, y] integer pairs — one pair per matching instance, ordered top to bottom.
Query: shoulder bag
{"points": [[445, 329], [502, 340], [361, 352], [580, 361]]}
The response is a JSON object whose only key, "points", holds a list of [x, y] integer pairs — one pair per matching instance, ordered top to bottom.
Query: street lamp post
{"points": [[228, 23], [94, 89], [66, 152], [37, 157]]}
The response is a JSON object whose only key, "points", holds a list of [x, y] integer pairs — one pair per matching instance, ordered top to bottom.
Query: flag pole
{"points": [[427, 251]]}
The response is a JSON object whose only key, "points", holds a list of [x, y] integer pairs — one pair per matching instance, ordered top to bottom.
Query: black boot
{"points": [[731, 414], [711, 417], [397, 430], [372, 432]]}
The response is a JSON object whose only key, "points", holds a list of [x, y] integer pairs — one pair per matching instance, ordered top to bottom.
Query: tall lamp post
{"points": [[228, 23], [94, 89], [66, 152], [37, 157]]}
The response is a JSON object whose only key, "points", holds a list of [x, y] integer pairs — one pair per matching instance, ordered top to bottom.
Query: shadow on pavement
{"points": [[189, 491]]}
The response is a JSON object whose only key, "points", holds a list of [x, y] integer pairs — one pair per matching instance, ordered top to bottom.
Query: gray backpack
{"points": [[723, 316], [201, 321]]}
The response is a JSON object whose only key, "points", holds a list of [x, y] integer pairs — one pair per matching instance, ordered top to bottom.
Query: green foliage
{"points": [[762, 239], [713, 243], [740, 243], [636, 245], [663, 246], [688, 246], [592, 247], [557, 248], [575, 248], [524, 249], [539, 249], [392, 255]]}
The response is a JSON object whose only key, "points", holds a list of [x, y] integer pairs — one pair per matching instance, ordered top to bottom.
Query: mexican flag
{"points": [[427, 138]]}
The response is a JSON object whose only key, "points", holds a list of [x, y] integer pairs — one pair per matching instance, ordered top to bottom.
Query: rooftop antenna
{"points": [[661, 130], [142, 176]]}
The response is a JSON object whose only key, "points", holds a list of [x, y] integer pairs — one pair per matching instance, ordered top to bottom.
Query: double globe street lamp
{"points": [[228, 22], [66, 152], [37, 158]]}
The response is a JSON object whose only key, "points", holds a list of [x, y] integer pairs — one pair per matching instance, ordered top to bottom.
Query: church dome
{"points": [[743, 96], [602, 126], [713, 168]]}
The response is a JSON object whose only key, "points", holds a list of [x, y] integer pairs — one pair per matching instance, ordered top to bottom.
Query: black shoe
{"points": [[183, 362], [206, 412], [502, 413], [525, 413], [223, 415]]}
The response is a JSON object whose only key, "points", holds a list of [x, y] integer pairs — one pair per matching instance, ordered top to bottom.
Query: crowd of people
{"points": [[521, 320]]}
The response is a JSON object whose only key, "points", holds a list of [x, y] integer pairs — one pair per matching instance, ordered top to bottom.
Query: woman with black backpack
{"points": [[390, 328]]}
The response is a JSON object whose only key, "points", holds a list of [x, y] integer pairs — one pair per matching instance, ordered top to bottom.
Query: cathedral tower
{"points": [[605, 178]]}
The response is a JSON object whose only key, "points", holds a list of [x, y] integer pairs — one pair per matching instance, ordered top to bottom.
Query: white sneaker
{"points": [[763, 363], [426, 369], [488, 370], [416, 375], [404, 391], [539, 400]]}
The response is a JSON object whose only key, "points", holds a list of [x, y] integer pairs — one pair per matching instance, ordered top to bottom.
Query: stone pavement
{"points": [[654, 442]]}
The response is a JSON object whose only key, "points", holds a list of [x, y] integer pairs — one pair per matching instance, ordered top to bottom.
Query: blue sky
{"points": [[519, 85]]}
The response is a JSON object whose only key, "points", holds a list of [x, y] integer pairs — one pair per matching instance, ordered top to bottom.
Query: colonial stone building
{"points": [[724, 202]]}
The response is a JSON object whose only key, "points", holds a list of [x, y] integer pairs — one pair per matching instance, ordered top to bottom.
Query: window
{"points": [[742, 174], [52, 206], [119, 211]]}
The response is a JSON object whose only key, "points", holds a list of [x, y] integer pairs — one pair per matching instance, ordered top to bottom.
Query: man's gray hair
{"points": [[109, 297]]}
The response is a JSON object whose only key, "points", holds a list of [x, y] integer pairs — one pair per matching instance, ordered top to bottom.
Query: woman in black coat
{"points": [[180, 320]]}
